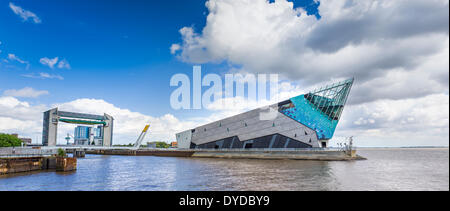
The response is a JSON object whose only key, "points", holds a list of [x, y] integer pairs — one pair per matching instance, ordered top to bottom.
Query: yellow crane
{"points": [[141, 137]]}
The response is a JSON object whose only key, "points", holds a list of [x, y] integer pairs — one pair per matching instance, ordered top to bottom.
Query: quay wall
{"points": [[162, 153], [292, 155], [325, 155], [27, 164], [16, 165]]}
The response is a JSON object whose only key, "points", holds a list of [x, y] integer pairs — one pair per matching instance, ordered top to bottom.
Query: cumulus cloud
{"points": [[24, 14], [368, 40], [396, 50], [49, 62], [63, 64], [25, 92], [20, 117], [26, 119], [408, 122], [128, 124]]}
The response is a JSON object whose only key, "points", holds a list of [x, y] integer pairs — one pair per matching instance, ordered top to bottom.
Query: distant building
{"points": [[84, 135], [26, 141], [174, 144]]}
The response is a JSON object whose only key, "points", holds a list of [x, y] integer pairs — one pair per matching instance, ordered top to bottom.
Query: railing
{"points": [[251, 149], [48, 151], [11, 152]]}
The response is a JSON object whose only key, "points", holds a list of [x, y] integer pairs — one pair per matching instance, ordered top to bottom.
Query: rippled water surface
{"points": [[385, 169]]}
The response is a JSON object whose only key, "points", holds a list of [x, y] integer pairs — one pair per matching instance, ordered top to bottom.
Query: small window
{"points": [[245, 124], [220, 125], [273, 125], [204, 129], [228, 129], [306, 133], [295, 135]]}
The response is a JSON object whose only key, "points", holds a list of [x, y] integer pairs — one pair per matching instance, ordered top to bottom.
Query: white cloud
{"points": [[24, 14], [368, 40], [174, 48], [396, 50], [13, 57], [49, 62], [64, 64], [43, 76], [25, 92], [20, 117], [26, 119], [422, 121], [128, 124]]}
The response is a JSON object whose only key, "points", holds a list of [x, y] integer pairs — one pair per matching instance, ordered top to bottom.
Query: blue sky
{"points": [[119, 52]]}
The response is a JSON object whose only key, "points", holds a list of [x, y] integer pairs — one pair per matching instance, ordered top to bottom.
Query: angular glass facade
{"points": [[319, 110]]}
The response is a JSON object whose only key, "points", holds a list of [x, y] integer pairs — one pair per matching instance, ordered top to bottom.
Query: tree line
{"points": [[7, 140]]}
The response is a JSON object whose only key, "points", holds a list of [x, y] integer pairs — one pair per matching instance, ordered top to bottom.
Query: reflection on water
{"points": [[385, 169]]}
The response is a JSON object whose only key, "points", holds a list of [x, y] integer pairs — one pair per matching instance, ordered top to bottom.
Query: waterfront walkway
{"points": [[24, 152]]}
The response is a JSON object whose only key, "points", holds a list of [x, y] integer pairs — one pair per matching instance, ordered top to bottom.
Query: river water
{"points": [[385, 169]]}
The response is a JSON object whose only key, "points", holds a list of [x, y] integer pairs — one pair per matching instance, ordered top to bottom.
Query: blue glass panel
{"points": [[307, 114]]}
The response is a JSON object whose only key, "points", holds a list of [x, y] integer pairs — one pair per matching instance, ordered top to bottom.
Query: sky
{"points": [[117, 57]]}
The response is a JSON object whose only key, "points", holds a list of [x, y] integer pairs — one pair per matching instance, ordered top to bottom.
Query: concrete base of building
{"points": [[282, 155], [323, 155]]}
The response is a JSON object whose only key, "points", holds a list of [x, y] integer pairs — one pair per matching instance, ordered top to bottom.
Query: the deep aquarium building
{"points": [[305, 121]]}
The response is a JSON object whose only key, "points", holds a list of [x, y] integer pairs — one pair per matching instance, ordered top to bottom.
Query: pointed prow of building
{"points": [[141, 137]]}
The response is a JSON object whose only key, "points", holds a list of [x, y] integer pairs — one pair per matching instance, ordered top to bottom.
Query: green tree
{"points": [[9, 141], [162, 145], [61, 152]]}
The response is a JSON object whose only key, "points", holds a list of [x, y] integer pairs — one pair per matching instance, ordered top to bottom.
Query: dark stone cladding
{"points": [[270, 141]]}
